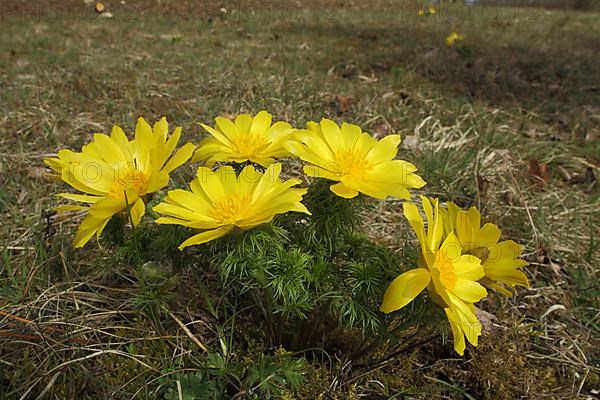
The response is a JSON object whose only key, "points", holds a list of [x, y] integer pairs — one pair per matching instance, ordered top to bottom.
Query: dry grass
{"points": [[508, 121]]}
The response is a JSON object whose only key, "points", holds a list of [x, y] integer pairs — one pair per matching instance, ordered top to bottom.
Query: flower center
{"points": [[248, 144], [351, 162], [131, 178], [231, 208], [444, 265]]}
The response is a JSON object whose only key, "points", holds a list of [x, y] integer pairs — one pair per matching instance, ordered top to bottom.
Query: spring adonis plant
{"points": [[248, 138], [355, 159], [115, 173], [220, 201], [500, 260], [455, 262], [449, 275]]}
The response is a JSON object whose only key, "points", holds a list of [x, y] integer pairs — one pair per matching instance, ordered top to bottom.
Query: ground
{"points": [[507, 119]]}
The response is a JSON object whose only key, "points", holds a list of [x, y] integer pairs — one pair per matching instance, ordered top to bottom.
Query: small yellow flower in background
{"points": [[424, 12], [453, 38], [247, 138], [359, 162], [114, 173], [220, 201], [500, 260], [449, 275]]}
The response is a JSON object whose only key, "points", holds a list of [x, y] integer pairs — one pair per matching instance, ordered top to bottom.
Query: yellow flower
{"points": [[431, 10], [421, 12], [453, 38], [246, 139], [354, 158], [114, 173], [221, 201], [500, 260], [449, 275]]}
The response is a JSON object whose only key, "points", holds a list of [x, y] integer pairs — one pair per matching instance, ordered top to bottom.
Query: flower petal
{"points": [[206, 236], [404, 289]]}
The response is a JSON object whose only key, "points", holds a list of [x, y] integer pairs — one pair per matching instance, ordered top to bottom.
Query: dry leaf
{"points": [[100, 7], [343, 103], [381, 130], [411, 143], [538, 171], [564, 174], [482, 186], [509, 198], [486, 319]]}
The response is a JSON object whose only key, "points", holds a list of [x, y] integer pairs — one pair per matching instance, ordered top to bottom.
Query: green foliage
{"points": [[303, 276], [222, 377]]}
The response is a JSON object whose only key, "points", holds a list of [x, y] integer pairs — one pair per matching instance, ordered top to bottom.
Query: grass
{"points": [[507, 120]]}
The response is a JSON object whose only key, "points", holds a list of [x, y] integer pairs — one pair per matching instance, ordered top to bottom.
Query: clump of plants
{"points": [[291, 264]]}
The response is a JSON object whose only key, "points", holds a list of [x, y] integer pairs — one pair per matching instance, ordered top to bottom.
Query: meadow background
{"points": [[507, 120]]}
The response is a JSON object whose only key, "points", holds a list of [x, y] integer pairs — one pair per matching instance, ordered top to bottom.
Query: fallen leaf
{"points": [[100, 7], [343, 103], [381, 130], [411, 143], [538, 171], [564, 174], [482, 186], [509, 198], [551, 309], [486, 319]]}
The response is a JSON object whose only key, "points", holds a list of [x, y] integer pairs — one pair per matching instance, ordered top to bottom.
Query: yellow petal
{"points": [[243, 122], [261, 123], [228, 128], [332, 134], [351, 134], [217, 135], [119, 137], [143, 141], [170, 145], [208, 148], [385, 149], [110, 150], [305, 153], [182, 155], [318, 172], [270, 176], [228, 178], [159, 180], [210, 184], [373, 189], [344, 191], [80, 197], [188, 200], [107, 207], [137, 211], [411, 213], [88, 227], [464, 229], [488, 235], [206, 236], [468, 267], [507, 275], [404, 289], [468, 290], [469, 323], [457, 333]]}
